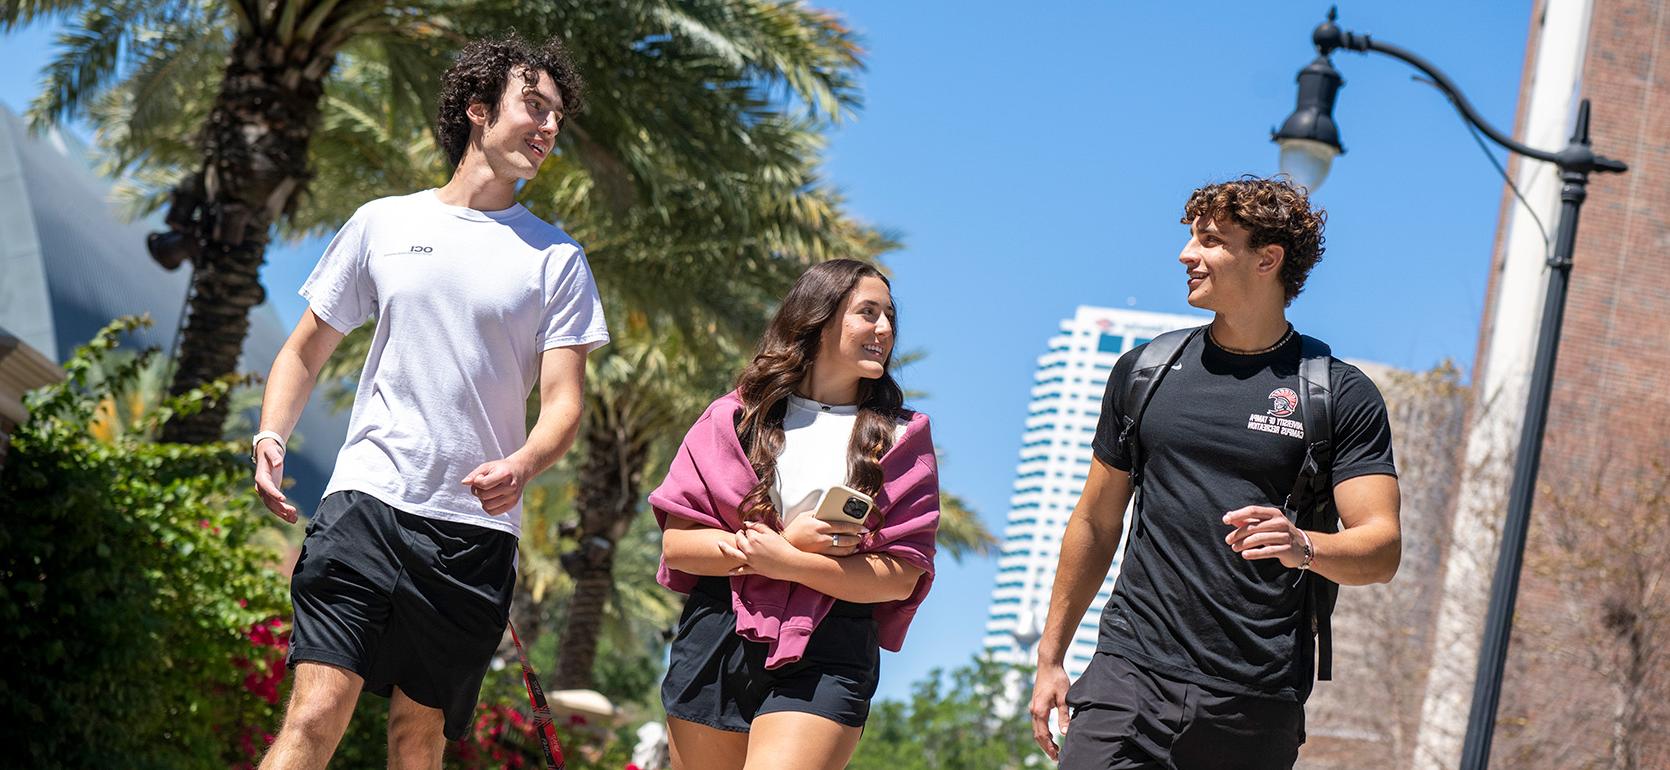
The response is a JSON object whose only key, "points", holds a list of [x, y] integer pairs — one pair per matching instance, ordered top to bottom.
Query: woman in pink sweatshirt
{"points": [[778, 651]]}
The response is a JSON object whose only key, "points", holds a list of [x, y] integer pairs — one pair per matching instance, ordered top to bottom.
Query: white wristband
{"points": [[255, 443]]}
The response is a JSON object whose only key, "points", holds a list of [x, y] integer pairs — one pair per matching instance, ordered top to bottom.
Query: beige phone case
{"points": [[834, 503]]}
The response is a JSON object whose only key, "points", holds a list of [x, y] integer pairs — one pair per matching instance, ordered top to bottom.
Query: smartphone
{"points": [[843, 503]]}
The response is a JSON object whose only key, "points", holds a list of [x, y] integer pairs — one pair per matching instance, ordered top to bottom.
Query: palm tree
{"points": [[214, 104], [250, 132], [641, 393]]}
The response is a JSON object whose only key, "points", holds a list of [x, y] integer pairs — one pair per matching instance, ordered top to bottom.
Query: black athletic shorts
{"points": [[403, 600], [719, 679], [1126, 718]]}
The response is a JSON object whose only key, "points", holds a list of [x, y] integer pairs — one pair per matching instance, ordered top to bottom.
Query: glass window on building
{"points": [[1111, 343]]}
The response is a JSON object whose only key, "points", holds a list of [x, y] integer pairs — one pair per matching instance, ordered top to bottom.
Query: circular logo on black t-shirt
{"points": [[1283, 401]]}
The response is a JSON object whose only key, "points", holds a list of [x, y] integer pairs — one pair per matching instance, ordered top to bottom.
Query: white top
{"points": [[466, 301], [814, 456]]}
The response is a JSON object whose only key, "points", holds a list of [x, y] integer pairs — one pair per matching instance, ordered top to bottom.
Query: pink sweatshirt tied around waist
{"points": [[706, 483]]}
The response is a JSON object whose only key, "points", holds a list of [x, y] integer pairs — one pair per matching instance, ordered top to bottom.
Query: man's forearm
{"points": [[289, 384], [552, 436], [1086, 554], [1359, 555]]}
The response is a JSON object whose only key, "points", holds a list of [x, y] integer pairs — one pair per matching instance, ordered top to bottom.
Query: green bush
{"points": [[138, 623], [972, 719]]}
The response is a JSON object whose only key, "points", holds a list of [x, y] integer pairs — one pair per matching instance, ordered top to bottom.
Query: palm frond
{"points": [[20, 13], [808, 51], [86, 57], [369, 142], [961, 533]]}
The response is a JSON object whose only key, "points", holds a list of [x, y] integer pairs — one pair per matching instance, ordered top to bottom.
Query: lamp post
{"points": [[1309, 142]]}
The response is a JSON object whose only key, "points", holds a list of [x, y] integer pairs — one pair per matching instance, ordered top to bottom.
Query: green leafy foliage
{"points": [[137, 619], [954, 722]]}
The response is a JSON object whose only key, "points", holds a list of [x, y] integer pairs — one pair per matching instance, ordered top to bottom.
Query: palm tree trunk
{"points": [[254, 164], [609, 495], [577, 650]]}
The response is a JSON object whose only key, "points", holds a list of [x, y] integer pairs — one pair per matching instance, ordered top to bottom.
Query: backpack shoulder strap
{"points": [[1156, 358], [1317, 403], [1311, 502]]}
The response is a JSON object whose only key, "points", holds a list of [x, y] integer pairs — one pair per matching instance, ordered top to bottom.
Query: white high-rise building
{"points": [[1054, 462]]}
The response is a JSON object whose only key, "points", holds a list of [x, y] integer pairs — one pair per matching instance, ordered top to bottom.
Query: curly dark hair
{"points": [[481, 73], [1273, 211]]}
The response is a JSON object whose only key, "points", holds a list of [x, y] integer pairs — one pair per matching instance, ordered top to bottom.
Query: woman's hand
{"points": [[830, 538], [763, 551]]}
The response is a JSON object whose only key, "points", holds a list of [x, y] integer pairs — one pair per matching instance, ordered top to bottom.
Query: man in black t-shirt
{"points": [[1205, 651]]}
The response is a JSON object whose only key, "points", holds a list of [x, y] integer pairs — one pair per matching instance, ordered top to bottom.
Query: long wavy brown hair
{"points": [[785, 353]]}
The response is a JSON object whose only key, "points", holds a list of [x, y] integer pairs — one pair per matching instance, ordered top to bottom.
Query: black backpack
{"points": [[1310, 504]]}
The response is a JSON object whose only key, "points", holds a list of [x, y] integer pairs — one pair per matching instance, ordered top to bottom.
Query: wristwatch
{"points": [[255, 443], [1310, 551]]}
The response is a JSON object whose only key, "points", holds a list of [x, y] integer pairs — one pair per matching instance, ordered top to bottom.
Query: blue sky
{"points": [[1036, 157]]}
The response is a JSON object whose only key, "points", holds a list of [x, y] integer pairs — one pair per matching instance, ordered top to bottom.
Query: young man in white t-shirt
{"points": [[404, 582]]}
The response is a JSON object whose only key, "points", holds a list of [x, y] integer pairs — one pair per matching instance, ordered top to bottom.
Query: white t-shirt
{"points": [[466, 301], [814, 456]]}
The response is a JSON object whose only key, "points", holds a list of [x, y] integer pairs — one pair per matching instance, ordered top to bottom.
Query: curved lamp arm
{"points": [[1576, 156]]}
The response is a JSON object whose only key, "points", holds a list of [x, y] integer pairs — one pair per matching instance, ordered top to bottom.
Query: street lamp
{"points": [[1311, 134], [1309, 138]]}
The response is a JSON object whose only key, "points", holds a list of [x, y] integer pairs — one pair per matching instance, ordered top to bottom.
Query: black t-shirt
{"points": [[1221, 432]]}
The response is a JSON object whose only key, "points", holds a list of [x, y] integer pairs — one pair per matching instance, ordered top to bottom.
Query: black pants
{"points": [[1125, 718]]}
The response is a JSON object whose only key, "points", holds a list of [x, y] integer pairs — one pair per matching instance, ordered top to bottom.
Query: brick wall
{"points": [[1612, 380], [1609, 419]]}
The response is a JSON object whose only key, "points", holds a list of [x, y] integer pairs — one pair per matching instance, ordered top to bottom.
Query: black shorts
{"points": [[403, 600], [719, 679], [1125, 718]]}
